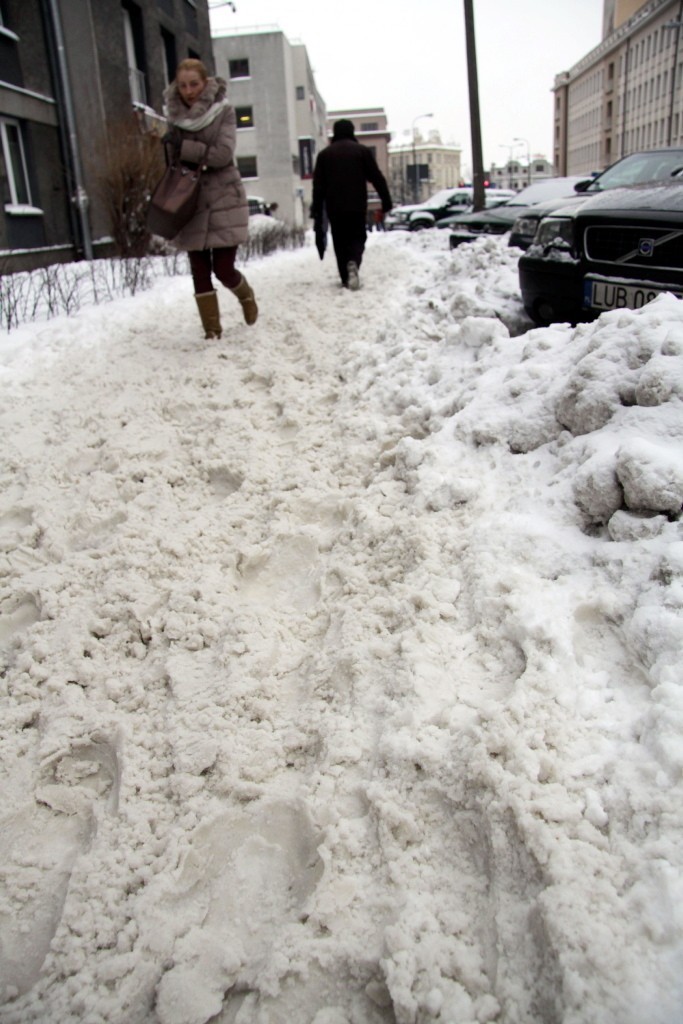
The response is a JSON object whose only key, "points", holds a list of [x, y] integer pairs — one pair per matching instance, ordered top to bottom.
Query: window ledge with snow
{"points": [[23, 210]]}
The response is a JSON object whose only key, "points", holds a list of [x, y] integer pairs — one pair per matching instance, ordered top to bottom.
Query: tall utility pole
{"points": [[475, 121]]}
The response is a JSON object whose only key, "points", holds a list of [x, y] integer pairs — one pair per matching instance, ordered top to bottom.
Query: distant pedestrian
{"points": [[202, 128], [340, 178]]}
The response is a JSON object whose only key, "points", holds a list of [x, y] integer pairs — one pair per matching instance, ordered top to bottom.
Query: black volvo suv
{"points": [[618, 249]]}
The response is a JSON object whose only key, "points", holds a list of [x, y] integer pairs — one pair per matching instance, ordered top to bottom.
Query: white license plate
{"points": [[617, 295]]}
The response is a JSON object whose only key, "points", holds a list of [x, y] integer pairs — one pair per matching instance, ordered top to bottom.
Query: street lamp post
{"points": [[677, 25], [415, 120], [503, 145], [528, 159]]}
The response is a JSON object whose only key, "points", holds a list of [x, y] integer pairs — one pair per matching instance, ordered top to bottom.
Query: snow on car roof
{"points": [[551, 188]]}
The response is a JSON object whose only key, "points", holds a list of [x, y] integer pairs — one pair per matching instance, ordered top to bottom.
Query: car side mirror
{"points": [[581, 186]]}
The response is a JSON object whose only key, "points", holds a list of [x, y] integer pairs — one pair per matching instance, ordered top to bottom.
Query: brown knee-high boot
{"points": [[245, 294], [207, 304]]}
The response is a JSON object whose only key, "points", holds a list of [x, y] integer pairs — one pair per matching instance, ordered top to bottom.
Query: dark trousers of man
{"points": [[348, 238]]}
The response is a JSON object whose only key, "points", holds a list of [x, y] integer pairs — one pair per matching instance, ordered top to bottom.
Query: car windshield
{"points": [[640, 168]]}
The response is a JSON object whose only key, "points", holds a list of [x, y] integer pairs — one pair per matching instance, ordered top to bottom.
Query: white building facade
{"points": [[626, 94], [281, 116]]}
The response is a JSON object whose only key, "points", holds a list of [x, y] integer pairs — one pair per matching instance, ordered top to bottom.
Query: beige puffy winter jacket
{"points": [[208, 131]]}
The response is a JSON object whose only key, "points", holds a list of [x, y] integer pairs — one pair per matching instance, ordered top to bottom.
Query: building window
{"points": [[191, 24], [4, 27], [135, 52], [169, 54], [10, 68], [239, 68], [301, 92], [245, 117], [369, 126], [15, 163], [247, 166]]}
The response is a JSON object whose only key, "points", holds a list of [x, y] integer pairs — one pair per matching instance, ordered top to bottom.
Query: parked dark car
{"points": [[635, 169], [493, 197], [257, 204], [442, 204], [418, 215], [501, 218], [618, 249]]}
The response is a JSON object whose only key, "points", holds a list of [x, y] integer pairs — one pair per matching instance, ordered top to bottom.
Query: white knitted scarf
{"points": [[195, 124]]}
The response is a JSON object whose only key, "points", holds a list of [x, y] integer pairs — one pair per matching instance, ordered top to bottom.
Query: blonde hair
{"points": [[192, 64]]}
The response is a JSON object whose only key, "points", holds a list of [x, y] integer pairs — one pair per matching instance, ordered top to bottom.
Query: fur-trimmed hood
{"points": [[205, 109]]}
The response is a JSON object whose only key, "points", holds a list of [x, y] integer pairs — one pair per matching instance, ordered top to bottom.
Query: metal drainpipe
{"points": [[81, 197]]}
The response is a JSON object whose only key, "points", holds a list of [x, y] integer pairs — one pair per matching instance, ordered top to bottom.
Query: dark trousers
{"points": [[348, 238], [219, 261]]}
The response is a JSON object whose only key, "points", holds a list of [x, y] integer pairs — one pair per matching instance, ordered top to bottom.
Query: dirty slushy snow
{"points": [[342, 657]]}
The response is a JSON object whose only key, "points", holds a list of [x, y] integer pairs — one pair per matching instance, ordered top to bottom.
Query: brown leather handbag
{"points": [[173, 200]]}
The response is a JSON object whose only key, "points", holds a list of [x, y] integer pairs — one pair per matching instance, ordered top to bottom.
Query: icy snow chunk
{"points": [[477, 331], [620, 366], [660, 381], [589, 399], [651, 475], [597, 491], [629, 526]]}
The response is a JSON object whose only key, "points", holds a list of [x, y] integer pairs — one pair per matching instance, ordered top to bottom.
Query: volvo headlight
{"points": [[525, 226], [555, 233]]}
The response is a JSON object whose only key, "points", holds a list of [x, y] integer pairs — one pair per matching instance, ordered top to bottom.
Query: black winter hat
{"points": [[343, 129]]}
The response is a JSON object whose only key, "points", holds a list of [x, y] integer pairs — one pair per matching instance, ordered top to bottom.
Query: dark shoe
{"points": [[353, 278]]}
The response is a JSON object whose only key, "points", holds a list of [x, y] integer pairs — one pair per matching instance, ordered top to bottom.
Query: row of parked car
{"points": [[610, 241]]}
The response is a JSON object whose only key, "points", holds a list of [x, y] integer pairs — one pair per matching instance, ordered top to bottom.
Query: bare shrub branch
{"points": [[125, 177]]}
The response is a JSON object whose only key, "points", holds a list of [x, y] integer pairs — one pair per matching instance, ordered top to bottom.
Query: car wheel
{"points": [[418, 225]]}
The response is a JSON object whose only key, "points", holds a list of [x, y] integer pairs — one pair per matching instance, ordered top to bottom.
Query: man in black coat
{"points": [[339, 188]]}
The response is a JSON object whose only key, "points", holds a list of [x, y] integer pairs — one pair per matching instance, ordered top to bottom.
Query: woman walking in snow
{"points": [[202, 128]]}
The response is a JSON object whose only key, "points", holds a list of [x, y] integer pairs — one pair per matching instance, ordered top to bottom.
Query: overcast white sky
{"points": [[410, 58]]}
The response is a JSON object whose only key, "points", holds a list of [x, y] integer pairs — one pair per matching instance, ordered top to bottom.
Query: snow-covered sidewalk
{"points": [[341, 657]]}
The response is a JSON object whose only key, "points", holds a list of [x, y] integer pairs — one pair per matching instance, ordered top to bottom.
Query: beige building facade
{"points": [[626, 94], [419, 169], [517, 174]]}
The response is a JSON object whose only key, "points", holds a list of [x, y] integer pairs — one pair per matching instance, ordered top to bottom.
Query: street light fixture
{"points": [[415, 120], [528, 159]]}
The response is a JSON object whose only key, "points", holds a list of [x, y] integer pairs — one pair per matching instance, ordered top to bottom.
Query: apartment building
{"points": [[71, 71], [627, 93], [280, 116], [421, 167]]}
